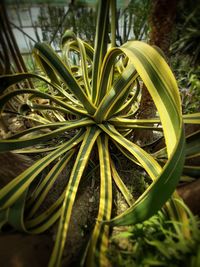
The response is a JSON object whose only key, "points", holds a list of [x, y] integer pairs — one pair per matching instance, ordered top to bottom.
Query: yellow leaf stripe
{"points": [[72, 187], [99, 240]]}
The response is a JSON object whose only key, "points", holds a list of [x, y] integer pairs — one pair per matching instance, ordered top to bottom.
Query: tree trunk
{"points": [[161, 21], [10, 50]]}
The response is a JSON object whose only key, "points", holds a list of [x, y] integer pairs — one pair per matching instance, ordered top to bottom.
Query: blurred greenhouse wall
{"points": [[38, 21]]}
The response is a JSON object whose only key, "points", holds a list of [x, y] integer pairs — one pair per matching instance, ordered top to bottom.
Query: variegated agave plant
{"points": [[96, 101]]}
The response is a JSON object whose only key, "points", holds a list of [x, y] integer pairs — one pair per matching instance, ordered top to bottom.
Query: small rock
{"points": [[92, 199]]}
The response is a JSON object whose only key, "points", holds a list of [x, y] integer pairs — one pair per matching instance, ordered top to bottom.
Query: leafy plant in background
{"points": [[133, 21], [188, 33], [186, 54], [188, 82], [190, 91], [91, 103], [158, 241]]}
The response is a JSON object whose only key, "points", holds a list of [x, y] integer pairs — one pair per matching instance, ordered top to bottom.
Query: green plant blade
{"points": [[101, 42], [73, 44], [50, 57], [83, 57], [106, 71], [11, 79], [163, 88], [164, 91], [116, 95], [6, 97], [131, 104], [193, 118], [120, 122], [38, 129], [12, 144], [193, 144], [145, 159], [193, 171], [76, 174], [121, 186], [13, 190], [42, 190], [154, 197], [16, 213], [3, 218], [42, 222], [99, 240]]}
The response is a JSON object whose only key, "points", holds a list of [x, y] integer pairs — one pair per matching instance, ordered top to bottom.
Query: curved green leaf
{"points": [[100, 47], [47, 54], [83, 56], [11, 79], [117, 94], [6, 97], [192, 118], [13, 144], [146, 160], [76, 174], [13, 190], [154, 197], [99, 239]]}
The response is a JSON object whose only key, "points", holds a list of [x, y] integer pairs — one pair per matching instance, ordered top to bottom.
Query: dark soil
{"points": [[20, 250]]}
